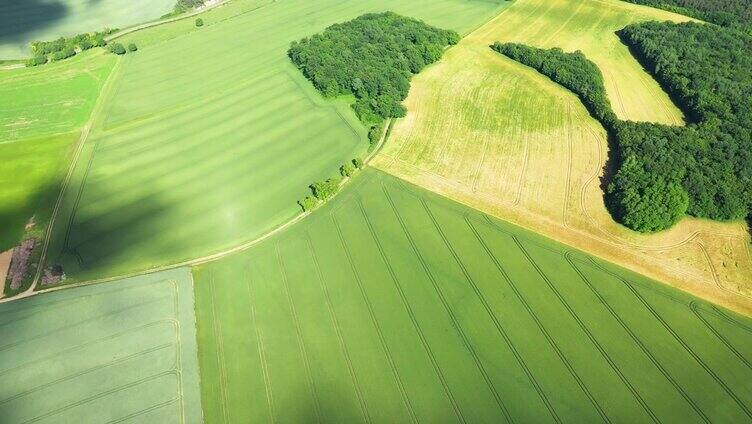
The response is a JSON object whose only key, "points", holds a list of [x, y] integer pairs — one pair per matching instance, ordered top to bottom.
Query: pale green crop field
{"points": [[22, 22], [42, 111], [208, 138], [393, 304], [120, 352]]}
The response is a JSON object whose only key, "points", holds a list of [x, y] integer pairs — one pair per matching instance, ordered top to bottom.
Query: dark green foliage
{"points": [[728, 13], [199, 22], [98, 40], [132, 47], [63, 48], [117, 48], [63, 54], [371, 57], [36, 61], [708, 71], [375, 132], [357, 162], [348, 169], [702, 169], [324, 190], [308, 204]]}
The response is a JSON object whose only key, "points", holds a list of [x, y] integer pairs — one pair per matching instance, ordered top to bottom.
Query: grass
{"points": [[27, 21], [42, 111], [502, 138], [208, 140], [393, 304], [102, 353]]}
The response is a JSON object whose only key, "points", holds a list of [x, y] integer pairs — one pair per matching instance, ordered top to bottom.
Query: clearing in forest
{"points": [[22, 22], [210, 135], [498, 136], [394, 304], [120, 352]]}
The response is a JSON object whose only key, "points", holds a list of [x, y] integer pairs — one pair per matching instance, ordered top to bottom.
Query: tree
{"points": [[199, 22], [132, 47], [117, 48], [357, 162], [348, 169], [324, 190], [308, 203]]}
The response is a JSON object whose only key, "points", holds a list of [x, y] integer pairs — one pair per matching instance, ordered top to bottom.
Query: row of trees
{"points": [[729, 13], [65, 47], [371, 58], [665, 172], [324, 190]]}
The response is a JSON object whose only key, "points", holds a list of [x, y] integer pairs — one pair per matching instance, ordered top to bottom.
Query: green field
{"points": [[22, 22], [42, 111], [208, 140], [392, 304], [120, 352]]}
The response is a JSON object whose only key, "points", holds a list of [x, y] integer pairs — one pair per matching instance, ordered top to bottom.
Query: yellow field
{"points": [[498, 136]]}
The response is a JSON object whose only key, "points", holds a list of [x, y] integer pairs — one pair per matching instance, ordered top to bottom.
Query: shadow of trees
{"points": [[20, 18]]}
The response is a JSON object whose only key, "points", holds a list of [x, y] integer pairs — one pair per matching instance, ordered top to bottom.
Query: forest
{"points": [[729, 13], [371, 58], [665, 172]]}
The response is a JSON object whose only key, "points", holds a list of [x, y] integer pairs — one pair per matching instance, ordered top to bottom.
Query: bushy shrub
{"points": [[199, 22], [98, 40], [132, 47], [117, 48], [63, 54], [36, 61], [375, 132], [357, 162], [347, 170], [323, 190], [308, 204]]}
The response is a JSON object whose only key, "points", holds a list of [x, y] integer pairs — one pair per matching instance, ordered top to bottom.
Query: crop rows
{"points": [[425, 310]]}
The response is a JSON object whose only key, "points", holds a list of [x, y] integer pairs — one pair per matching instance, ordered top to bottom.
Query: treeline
{"points": [[729, 13], [63, 48], [371, 58], [665, 172], [324, 190]]}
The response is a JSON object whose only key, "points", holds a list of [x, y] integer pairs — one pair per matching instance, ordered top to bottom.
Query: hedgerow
{"points": [[63, 48], [665, 172]]}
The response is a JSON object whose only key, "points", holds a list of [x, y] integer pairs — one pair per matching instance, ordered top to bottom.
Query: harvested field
{"points": [[498, 136], [207, 141], [393, 304], [124, 351]]}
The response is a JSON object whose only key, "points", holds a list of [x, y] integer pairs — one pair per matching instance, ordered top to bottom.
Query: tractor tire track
{"points": [[569, 257], [447, 308], [377, 327], [338, 331], [299, 335]]}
